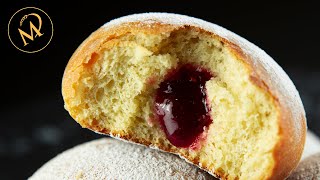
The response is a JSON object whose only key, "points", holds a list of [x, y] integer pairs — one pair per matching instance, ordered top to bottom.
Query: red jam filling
{"points": [[181, 105]]}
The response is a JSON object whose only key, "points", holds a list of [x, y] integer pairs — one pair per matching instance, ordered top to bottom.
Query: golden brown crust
{"points": [[93, 44], [288, 150]]}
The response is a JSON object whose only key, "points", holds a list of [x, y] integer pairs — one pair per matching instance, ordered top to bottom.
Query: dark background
{"points": [[34, 125]]}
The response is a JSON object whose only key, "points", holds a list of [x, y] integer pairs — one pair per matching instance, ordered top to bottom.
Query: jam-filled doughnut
{"points": [[188, 87]]}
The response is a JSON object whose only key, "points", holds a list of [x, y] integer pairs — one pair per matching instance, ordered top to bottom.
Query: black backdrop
{"points": [[35, 126]]}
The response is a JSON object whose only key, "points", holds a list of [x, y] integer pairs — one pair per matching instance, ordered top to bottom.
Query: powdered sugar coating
{"points": [[277, 80], [312, 145], [108, 158], [112, 159], [308, 169]]}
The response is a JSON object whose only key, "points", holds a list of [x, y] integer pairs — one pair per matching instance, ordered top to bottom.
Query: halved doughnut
{"points": [[188, 87]]}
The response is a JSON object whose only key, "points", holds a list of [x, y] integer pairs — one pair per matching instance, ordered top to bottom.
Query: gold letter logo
{"points": [[32, 28]]}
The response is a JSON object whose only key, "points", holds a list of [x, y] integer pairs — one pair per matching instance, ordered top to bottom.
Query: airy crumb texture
{"points": [[110, 83], [113, 159], [308, 169]]}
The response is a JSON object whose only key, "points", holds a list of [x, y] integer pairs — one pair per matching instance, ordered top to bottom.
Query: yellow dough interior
{"points": [[116, 93]]}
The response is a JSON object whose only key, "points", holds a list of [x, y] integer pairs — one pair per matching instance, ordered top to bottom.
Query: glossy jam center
{"points": [[181, 105]]}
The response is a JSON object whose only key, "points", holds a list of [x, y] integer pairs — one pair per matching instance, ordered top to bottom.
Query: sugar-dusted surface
{"points": [[312, 145], [100, 158], [114, 159], [307, 169]]}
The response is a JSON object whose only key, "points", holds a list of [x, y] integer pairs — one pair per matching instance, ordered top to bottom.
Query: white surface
{"points": [[312, 145], [110, 158], [114, 159]]}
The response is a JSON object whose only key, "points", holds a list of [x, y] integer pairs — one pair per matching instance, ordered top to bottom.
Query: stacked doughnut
{"points": [[191, 88]]}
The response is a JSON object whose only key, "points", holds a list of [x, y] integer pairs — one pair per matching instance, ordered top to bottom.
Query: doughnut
{"points": [[191, 88], [108, 158], [309, 168]]}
